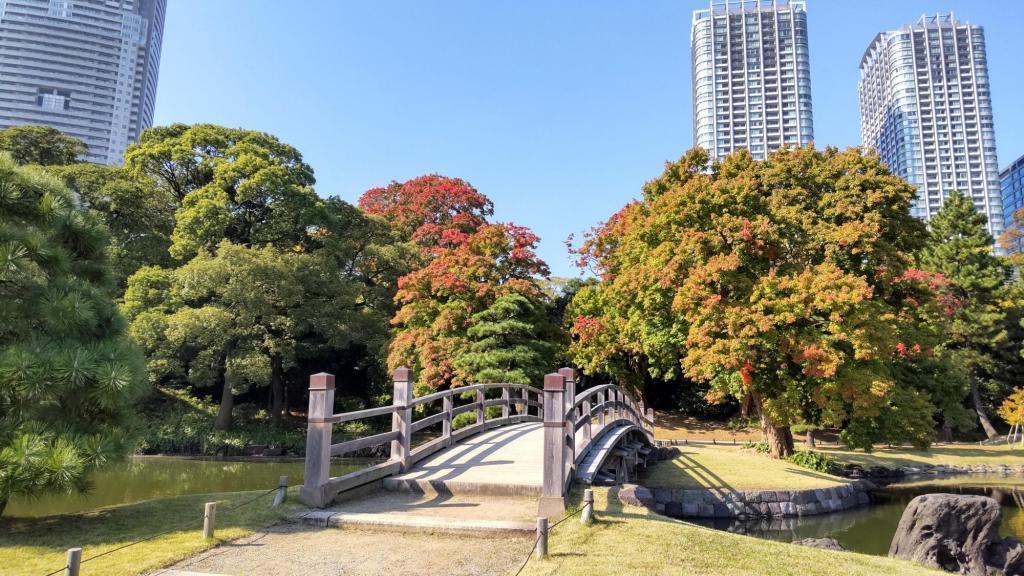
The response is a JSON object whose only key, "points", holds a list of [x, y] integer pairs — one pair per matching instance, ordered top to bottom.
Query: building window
{"points": [[51, 99]]}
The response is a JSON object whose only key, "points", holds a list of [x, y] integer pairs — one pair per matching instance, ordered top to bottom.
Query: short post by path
{"points": [[282, 492], [588, 506], [209, 519], [542, 537], [74, 565]]}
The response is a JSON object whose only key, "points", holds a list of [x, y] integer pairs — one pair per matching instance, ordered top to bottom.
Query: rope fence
{"points": [[540, 544], [75, 560]]}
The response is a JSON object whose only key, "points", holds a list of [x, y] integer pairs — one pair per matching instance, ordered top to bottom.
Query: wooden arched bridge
{"points": [[532, 442]]}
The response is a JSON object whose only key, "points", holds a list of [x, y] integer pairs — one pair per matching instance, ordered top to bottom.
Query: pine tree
{"points": [[960, 249], [507, 343], [68, 374]]}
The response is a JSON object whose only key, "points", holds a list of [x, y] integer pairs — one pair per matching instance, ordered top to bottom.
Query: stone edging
{"points": [[723, 503]]}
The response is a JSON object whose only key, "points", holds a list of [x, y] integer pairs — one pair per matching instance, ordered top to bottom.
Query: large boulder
{"points": [[957, 534]]}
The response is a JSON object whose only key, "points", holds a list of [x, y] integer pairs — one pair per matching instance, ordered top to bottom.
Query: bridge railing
{"points": [[572, 422], [320, 488]]}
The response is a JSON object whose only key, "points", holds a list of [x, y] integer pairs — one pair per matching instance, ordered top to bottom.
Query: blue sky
{"points": [[559, 111]]}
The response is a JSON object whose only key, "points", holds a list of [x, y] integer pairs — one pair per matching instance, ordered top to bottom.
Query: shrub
{"points": [[759, 447], [814, 461]]}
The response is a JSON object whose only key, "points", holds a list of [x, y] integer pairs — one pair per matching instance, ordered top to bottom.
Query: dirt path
{"points": [[298, 550]]}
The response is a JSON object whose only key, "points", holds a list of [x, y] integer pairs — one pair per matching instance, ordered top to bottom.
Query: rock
{"points": [[957, 534], [823, 543]]}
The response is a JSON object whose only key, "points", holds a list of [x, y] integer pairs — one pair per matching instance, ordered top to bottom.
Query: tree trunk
{"points": [[276, 390], [227, 404], [986, 424], [947, 433], [779, 438], [809, 440], [3, 505]]}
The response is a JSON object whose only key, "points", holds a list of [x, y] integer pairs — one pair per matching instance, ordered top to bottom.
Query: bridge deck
{"points": [[502, 461]]}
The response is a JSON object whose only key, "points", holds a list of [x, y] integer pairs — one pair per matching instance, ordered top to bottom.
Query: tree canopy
{"points": [[41, 145], [786, 283], [69, 376]]}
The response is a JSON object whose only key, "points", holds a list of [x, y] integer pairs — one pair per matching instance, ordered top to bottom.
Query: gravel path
{"points": [[297, 550]]}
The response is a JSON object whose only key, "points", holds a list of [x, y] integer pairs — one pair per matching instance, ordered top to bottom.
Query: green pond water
{"points": [[149, 477], [870, 529]]}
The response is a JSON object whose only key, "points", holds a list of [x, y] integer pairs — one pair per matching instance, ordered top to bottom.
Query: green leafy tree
{"points": [[41, 145], [138, 213], [960, 248], [273, 276], [780, 283], [507, 343], [69, 376]]}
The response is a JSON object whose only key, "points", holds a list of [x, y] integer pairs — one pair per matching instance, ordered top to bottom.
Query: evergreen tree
{"points": [[41, 145], [960, 249], [507, 343], [68, 374]]}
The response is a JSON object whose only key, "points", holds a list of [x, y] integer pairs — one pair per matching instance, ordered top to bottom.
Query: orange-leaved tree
{"points": [[786, 283]]}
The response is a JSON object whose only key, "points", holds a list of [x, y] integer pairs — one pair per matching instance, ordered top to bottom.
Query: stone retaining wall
{"points": [[724, 503]]}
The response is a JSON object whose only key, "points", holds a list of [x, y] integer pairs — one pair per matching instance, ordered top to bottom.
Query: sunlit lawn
{"points": [[954, 454], [732, 467], [634, 541], [39, 546]]}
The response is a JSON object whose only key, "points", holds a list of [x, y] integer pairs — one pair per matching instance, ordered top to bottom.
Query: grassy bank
{"points": [[950, 455], [735, 468], [633, 541], [33, 547]]}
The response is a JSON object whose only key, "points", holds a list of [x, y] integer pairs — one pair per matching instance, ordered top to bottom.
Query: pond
{"points": [[149, 477], [870, 529]]}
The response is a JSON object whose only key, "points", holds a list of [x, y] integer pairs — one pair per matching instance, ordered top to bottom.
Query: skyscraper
{"points": [[86, 67], [751, 76], [925, 106], [1011, 180]]}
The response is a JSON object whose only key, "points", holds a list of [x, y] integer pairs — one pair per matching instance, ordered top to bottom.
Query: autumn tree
{"points": [[41, 145], [960, 249], [778, 282], [69, 376], [1012, 411]]}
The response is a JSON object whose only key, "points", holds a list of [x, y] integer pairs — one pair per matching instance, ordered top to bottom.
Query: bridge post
{"points": [[602, 398], [504, 402], [524, 410], [481, 413], [570, 416], [401, 418], [446, 425], [649, 426], [588, 434], [318, 440], [552, 500]]}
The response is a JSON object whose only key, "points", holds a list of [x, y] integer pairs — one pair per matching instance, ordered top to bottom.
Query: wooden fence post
{"points": [[601, 399], [504, 402], [524, 410], [481, 414], [570, 414], [401, 418], [446, 426], [318, 441], [282, 491], [552, 500], [209, 519], [542, 537], [74, 562]]}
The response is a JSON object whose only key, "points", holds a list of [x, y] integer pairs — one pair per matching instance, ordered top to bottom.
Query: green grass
{"points": [[952, 455], [732, 468], [633, 541], [38, 546]]}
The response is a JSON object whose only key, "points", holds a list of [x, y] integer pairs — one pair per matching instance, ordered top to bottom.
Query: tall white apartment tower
{"points": [[86, 67], [751, 76], [925, 106]]}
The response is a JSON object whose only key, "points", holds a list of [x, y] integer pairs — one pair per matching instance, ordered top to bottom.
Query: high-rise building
{"points": [[86, 67], [751, 76], [925, 106], [1012, 183]]}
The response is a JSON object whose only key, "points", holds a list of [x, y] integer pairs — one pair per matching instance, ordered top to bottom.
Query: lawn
{"points": [[952, 454], [732, 467], [634, 541], [39, 546]]}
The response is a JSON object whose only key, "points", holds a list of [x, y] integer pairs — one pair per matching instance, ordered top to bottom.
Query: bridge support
{"points": [[401, 418], [552, 500]]}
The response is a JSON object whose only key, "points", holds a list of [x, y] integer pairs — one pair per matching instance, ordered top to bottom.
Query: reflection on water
{"points": [[149, 477], [870, 529]]}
